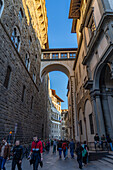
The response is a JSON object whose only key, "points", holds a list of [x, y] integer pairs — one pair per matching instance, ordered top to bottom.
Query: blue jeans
{"points": [[111, 146], [54, 148], [60, 152], [64, 152], [72, 153], [2, 163]]}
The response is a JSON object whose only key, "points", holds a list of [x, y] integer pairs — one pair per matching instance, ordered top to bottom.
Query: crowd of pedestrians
{"points": [[35, 152]]}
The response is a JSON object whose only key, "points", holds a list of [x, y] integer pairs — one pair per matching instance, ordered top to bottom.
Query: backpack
{"points": [[84, 152]]}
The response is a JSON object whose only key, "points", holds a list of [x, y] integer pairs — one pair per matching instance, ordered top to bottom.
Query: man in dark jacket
{"points": [[59, 146], [72, 148], [79, 150], [4, 153], [17, 156]]}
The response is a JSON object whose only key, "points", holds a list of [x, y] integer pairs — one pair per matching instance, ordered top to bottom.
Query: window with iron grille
{"points": [[16, 37], [27, 61]]}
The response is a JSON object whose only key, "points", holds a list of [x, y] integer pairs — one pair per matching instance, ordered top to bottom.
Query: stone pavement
{"points": [[52, 162]]}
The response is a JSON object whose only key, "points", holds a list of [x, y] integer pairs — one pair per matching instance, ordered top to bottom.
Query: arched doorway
{"points": [[106, 91]]}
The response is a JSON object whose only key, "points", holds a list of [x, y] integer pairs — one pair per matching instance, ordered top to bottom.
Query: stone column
{"points": [[95, 114], [100, 115], [107, 116]]}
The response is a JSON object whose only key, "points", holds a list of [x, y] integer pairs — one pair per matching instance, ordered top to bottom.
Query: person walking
{"points": [[64, 145], [54, 146], [59, 146], [72, 148], [79, 150], [4, 153], [36, 153], [85, 153], [17, 155]]}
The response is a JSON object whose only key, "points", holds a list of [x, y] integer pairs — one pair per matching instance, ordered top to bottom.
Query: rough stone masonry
{"points": [[23, 97]]}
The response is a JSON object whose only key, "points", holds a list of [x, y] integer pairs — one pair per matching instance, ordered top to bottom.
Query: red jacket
{"points": [[37, 146], [64, 146]]}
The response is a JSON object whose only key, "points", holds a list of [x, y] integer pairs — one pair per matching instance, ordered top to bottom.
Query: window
{"points": [[1, 7], [20, 14], [16, 38], [30, 40], [64, 55], [72, 55], [55, 56], [36, 57], [27, 61], [34, 77], [7, 78], [23, 93], [32, 102], [91, 124], [81, 127]]}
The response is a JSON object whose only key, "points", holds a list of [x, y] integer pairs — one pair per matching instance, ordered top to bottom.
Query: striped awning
{"points": [[74, 11]]}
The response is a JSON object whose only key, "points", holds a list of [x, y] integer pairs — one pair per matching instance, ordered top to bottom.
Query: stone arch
{"points": [[54, 67], [96, 76], [106, 98], [89, 120]]}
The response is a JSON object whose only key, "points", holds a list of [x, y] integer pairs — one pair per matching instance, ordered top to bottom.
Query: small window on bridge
{"points": [[63, 55], [72, 55], [46, 56], [55, 56]]}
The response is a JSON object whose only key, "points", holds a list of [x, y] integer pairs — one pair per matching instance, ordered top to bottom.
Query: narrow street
{"points": [[52, 162]]}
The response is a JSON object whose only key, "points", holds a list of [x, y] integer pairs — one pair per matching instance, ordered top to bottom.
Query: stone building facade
{"points": [[93, 23], [23, 97]]}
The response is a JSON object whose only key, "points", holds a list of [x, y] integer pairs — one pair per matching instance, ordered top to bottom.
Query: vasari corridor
{"points": [[56, 84]]}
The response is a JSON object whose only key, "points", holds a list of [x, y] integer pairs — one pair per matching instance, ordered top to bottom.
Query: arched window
{"points": [[1, 6], [20, 14], [16, 38], [27, 61], [7, 77]]}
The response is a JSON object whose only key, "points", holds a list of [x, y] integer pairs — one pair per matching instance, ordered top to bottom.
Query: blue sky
{"points": [[60, 36]]}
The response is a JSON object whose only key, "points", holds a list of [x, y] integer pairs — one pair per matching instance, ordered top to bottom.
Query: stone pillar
{"points": [[50, 55], [59, 55], [42, 56], [72, 87], [95, 114], [100, 115], [107, 116]]}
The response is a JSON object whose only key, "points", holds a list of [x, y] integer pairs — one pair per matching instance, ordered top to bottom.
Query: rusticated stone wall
{"points": [[16, 115]]}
